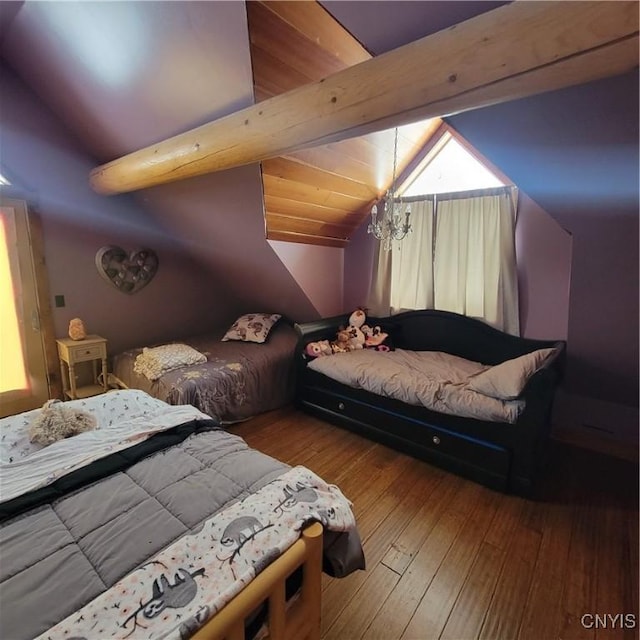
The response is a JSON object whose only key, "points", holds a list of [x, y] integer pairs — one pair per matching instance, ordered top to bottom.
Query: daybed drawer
{"points": [[478, 459]]}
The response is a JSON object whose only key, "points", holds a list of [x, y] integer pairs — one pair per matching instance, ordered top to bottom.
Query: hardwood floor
{"points": [[448, 558]]}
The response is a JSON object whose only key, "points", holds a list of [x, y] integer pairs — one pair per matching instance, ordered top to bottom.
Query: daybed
{"points": [[238, 380], [504, 454], [153, 524]]}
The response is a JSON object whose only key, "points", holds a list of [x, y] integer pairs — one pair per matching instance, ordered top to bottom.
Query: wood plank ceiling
{"points": [[323, 194]]}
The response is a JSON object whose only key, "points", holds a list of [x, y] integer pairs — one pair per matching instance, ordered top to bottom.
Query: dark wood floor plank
{"points": [[382, 523], [447, 523], [448, 558], [611, 586], [579, 595], [400, 606], [434, 609], [504, 613], [467, 615], [356, 616]]}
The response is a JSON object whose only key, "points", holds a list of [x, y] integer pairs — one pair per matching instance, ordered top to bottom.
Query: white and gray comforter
{"points": [[435, 380], [81, 540]]}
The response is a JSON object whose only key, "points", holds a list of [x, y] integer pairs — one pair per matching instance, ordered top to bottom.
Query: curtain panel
{"points": [[459, 257]]}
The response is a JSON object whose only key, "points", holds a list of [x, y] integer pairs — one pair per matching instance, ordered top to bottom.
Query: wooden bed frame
{"points": [[298, 621]]}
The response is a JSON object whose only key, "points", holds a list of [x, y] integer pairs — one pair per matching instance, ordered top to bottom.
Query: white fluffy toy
{"points": [[57, 421]]}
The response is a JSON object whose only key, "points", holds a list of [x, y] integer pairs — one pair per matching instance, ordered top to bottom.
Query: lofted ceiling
{"points": [[126, 75], [319, 195]]}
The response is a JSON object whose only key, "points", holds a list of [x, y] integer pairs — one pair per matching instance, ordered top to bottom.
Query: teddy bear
{"points": [[356, 336], [326, 347], [318, 348], [57, 421]]}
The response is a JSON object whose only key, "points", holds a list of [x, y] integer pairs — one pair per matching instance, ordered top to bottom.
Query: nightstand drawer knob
{"points": [[341, 406], [435, 440]]}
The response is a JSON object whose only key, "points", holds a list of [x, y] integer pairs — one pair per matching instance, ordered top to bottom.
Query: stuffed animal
{"points": [[356, 337], [376, 338], [347, 339], [341, 343], [326, 347], [318, 348], [57, 421]]}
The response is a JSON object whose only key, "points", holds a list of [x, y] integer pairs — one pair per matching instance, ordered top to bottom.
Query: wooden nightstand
{"points": [[71, 352]]}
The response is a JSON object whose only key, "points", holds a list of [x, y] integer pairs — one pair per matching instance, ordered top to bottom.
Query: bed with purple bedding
{"points": [[238, 380]]}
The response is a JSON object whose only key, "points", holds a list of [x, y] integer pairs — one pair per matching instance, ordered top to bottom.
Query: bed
{"points": [[239, 379], [485, 413], [161, 524]]}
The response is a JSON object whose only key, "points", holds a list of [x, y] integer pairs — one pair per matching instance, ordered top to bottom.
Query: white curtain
{"points": [[460, 257], [412, 262], [475, 270], [403, 277]]}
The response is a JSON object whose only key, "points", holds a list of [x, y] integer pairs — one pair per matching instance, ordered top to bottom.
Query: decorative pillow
{"points": [[252, 327], [156, 361], [505, 381]]}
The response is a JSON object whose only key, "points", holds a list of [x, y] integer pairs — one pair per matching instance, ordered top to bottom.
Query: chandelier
{"points": [[389, 225]]}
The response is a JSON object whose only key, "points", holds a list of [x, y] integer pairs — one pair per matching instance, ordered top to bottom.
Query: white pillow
{"points": [[156, 361], [505, 381]]}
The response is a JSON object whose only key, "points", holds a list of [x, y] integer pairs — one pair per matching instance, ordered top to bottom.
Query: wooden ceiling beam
{"points": [[511, 52]]}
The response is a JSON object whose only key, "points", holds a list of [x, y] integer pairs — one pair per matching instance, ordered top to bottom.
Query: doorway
{"points": [[23, 359]]}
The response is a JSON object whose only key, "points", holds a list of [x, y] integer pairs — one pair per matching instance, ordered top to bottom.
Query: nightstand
{"points": [[71, 352]]}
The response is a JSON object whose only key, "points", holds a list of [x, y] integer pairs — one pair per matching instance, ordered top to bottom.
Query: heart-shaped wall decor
{"points": [[127, 271]]}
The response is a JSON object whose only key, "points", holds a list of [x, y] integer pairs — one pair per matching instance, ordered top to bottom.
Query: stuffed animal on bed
{"points": [[356, 336], [349, 338], [376, 338], [326, 347], [318, 348], [57, 421]]}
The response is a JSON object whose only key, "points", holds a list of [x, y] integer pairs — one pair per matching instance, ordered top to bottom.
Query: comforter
{"points": [[239, 379], [438, 381], [72, 536]]}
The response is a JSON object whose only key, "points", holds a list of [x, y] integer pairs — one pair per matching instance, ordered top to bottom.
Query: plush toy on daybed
{"points": [[357, 335], [57, 421]]}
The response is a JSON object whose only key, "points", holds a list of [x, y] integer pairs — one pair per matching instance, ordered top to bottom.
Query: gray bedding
{"points": [[239, 379], [432, 379], [59, 556]]}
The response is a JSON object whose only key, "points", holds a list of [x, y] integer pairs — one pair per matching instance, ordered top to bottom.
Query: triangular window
{"points": [[449, 167]]}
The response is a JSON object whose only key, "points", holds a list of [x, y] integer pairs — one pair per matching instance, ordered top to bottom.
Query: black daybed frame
{"points": [[502, 456]]}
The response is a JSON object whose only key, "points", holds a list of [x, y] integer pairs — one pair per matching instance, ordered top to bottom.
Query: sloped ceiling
{"points": [[122, 75], [320, 195]]}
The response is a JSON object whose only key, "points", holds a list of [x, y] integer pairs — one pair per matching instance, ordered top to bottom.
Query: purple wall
{"points": [[575, 153], [40, 155], [219, 216], [543, 252], [215, 262], [318, 270]]}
